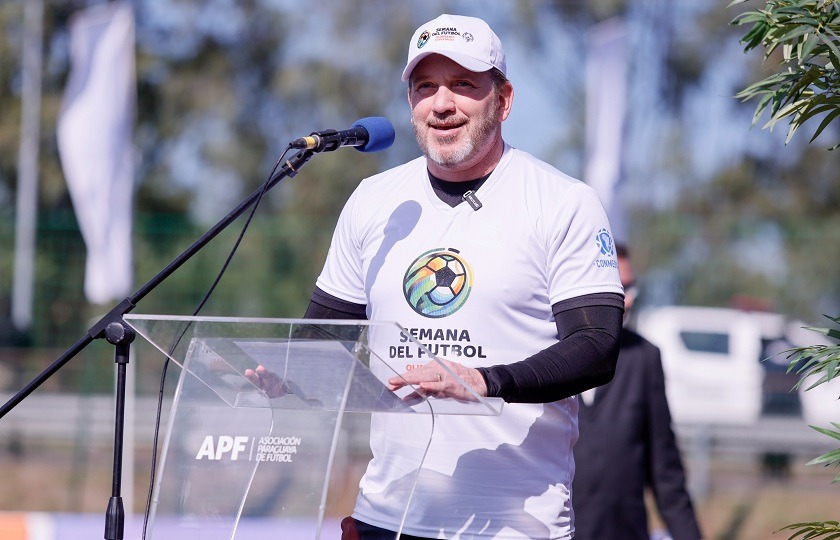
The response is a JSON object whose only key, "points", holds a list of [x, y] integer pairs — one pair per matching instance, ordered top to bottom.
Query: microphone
{"points": [[370, 134]]}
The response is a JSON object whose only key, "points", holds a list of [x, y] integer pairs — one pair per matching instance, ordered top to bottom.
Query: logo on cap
{"points": [[468, 37], [423, 39]]}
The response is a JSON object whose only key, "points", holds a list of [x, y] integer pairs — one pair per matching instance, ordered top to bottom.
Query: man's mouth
{"points": [[446, 126]]}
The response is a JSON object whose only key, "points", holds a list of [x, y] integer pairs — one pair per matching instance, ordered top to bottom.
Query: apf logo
{"points": [[437, 283], [282, 448], [216, 450]]}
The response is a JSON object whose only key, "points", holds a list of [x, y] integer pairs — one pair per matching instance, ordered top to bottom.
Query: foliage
{"points": [[806, 34], [215, 104], [715, 214], [750, 230], [818, 360], [823, 363], [814, 529]]}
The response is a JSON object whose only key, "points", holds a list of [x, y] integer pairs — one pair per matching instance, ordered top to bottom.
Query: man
{"points": [[484, 242], [626, 444]]}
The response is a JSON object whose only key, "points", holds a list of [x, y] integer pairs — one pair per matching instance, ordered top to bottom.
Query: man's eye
{"points": [[464, 84]]}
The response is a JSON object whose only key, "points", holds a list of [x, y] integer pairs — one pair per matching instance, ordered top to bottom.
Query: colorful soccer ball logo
{"points": [[437, 283]]}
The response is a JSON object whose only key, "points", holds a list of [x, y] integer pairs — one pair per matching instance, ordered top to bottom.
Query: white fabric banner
{"points": [[606, 95], [94, 143]]}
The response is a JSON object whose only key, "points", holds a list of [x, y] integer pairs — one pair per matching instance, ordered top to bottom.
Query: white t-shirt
{"points": [[476, 287]]}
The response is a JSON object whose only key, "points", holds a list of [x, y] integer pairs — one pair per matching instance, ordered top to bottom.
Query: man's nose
{"points": [[444, 100]]}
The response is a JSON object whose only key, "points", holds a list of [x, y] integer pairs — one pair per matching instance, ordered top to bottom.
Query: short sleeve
{"points": [[581, 251], [342, 273]]}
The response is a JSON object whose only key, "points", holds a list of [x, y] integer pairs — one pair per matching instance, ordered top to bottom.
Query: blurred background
{"points": [[633, 96]]}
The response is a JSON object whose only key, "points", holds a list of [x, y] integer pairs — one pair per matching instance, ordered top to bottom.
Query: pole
{"points": [[27, 186]]}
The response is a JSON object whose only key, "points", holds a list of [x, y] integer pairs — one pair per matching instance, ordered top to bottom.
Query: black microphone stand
{"points": [[113, 328]]}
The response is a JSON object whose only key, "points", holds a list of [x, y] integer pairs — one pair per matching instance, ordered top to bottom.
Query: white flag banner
{"points": [[606, 90], [95, 146]]}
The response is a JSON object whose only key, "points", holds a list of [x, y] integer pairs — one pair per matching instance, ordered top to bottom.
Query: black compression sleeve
{"points": [[326, 306], [588, 329]]}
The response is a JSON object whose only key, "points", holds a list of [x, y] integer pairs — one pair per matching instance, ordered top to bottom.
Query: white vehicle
{"points": [[711, 361], [717, 369]]}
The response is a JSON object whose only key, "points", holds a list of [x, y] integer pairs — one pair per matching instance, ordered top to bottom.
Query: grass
{"points": [[743, 502]]}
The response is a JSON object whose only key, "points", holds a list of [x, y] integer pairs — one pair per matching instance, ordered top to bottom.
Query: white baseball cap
{"points": [[467, 40]]}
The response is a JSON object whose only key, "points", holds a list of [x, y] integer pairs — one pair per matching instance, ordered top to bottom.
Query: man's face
{"points": [[456, 114], [628, 281]]}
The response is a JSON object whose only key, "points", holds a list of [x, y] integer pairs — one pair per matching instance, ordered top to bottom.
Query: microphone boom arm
{"points": [[289, 169], [114, 329]]}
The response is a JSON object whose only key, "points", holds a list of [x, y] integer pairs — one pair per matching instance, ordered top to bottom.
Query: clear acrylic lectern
{"points": [[238, 462]]}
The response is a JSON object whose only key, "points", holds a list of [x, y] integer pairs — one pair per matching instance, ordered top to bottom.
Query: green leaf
{"points": [[735, 3], [748, 17], [795, 33], [755, 36], [807, 47], [834, 52], [807, 77], [769, 82], [760, 106], [822, 108], [827, 120], [830, 332], [831, 368], [802, 369], [828, 432], [827, 459], [813, 529]]}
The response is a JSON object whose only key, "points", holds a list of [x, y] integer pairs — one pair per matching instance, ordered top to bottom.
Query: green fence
{"points": [[272, 275]]}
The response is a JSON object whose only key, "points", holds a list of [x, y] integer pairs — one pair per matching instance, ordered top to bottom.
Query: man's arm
{"points": [[321, 306], [326, 306], [588, 330], [585, 355], [666, 474]]}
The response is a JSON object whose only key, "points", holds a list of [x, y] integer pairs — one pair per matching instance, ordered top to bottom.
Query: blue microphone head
{"points": [[380, 133]]}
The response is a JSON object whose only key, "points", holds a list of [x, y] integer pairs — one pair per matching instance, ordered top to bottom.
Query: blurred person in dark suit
{"points": [[626, 444]]}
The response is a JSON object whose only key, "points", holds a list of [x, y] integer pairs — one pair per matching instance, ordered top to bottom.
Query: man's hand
{"points": [[432, 380], [267, 381]]}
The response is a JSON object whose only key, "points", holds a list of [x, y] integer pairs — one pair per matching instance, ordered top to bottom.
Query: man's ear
{"points": [[505, 100]]}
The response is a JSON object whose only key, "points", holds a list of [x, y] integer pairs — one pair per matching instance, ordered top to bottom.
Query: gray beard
{"points": [[485, 128]]}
